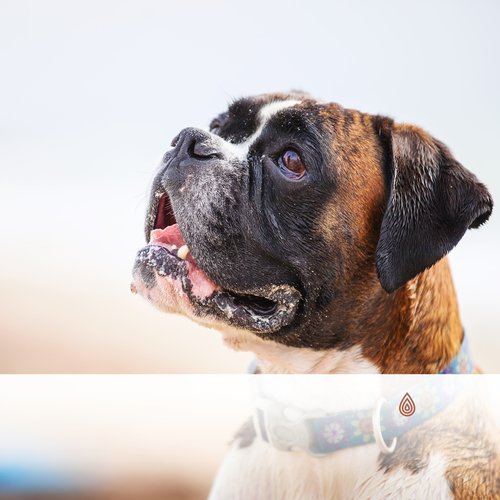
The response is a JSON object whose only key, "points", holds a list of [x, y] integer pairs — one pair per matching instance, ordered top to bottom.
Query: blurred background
{"points": [[91, 94], [122, 437]]}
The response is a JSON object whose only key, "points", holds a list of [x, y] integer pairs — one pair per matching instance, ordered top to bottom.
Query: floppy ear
{"points": [[432, 201]]}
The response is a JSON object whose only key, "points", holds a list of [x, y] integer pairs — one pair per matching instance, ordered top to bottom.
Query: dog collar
{"points": [[320, 433]]}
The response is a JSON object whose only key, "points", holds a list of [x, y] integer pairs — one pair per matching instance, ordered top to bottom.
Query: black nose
{"points": [[195, 144]]}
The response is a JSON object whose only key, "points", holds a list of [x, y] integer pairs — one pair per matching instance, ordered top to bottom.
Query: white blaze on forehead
{"points": [[271, 109], [240, 151]]}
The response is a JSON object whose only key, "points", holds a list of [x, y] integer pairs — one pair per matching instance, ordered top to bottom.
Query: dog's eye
{"points": [[215, 126], [291, 164]]}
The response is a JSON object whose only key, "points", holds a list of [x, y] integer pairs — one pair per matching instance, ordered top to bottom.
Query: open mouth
{"points": [[167, 254]]}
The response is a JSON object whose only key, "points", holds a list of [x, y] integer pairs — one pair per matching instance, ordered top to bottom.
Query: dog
{"points": [[314, 236]]}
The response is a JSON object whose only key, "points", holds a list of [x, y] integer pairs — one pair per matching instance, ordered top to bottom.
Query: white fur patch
{"points": [[240, 151], [274, 357], [262, 472]]}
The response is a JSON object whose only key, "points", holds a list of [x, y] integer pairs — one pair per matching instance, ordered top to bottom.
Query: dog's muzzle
{"points": [[168, 273]]}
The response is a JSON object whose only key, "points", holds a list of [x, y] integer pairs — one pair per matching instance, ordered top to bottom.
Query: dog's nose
{"points": [[195, 144]]}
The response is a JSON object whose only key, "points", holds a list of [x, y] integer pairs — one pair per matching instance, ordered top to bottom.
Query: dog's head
{"points": [[288, 209]]}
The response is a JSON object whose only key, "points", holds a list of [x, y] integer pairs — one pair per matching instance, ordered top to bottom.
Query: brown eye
{"points": [[291, 164]]}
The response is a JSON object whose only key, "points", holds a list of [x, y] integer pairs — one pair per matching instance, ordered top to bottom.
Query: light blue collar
{"points": [[321, 433]]}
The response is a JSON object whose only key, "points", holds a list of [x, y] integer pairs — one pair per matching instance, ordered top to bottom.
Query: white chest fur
{"points": [[261, 472]]}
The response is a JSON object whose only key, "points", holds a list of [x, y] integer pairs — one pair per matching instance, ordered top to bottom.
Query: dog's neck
{"points": [[416, 329], [422, 331]]}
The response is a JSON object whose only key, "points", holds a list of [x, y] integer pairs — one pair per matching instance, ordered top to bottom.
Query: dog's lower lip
{"points": [[160, 258], [252, 303], [265, 310]]}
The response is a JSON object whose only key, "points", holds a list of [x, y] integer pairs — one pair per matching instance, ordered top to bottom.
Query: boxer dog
{"points": [[312, 235], [315, 236]]}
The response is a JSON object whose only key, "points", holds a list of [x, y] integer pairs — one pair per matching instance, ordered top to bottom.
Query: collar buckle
{"points": [[283, 426]]}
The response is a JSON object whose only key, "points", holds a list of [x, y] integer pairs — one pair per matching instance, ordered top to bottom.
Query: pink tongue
{"points": [[171, 235], [201, 285]]}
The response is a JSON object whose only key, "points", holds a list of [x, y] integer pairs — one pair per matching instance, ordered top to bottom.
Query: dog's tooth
{"points": [[183, 251]]}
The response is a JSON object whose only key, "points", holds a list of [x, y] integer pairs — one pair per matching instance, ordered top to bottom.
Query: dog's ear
{"points": [[432, 201]]}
